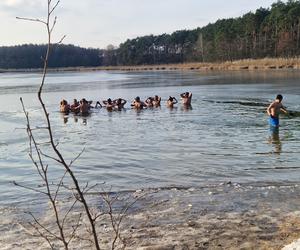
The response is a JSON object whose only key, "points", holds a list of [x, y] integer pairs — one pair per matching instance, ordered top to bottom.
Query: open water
{"points": [[224, 138]]}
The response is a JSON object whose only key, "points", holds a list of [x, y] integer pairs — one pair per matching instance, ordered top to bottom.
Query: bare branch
{"points": [[54, 7], [32, 20], [53, 24], [61, 40], [37, 156], [51, 157], [76, 158], [60, 184], [30, 188], [66, 215], [43, 227], [75, 228], [41, 234]]}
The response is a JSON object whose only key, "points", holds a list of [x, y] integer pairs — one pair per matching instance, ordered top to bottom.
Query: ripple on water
{"points": [[224, 137]]}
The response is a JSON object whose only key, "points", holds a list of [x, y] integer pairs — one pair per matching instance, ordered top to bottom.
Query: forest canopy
{"points": [[272, 32]]}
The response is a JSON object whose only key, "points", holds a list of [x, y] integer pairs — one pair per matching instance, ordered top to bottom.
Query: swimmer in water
{"points": [[186, 98], [156, 101], [171, 101], [149, 102], [119, 103], [109, 104], [138, 104], [74, 105], [64, 106], [83, 107], [274, 110]]}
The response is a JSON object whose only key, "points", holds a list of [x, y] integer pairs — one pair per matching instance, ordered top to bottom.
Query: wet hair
{"points": [[187, 94], [156, 97], [279, 97], [171, 98], [137, 99], [84, 100], [109, 100], [63, 102]]}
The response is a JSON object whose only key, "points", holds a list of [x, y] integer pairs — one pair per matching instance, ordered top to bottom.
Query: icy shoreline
{"points": [[226, 217]]}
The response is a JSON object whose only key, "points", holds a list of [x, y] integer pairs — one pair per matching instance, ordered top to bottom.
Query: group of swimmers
{"points": [[83, 106]]}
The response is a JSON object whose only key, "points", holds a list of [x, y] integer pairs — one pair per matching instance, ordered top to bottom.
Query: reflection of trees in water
{"points": [[274, 139]]}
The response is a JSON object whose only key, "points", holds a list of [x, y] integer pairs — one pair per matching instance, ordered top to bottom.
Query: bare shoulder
{"points": [[272, 104]]}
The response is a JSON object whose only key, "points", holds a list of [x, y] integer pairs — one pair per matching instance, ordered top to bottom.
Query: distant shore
{"points": [[246, 64]]}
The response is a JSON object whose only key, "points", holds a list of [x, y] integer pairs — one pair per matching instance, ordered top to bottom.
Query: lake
{"points": [[224, 138]]}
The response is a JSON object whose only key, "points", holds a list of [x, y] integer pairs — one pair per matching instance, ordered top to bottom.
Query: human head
{"points": [[156, 97], [279, 97], [170, 98], [137, 99], [109, 100], [119, 101], [63, 102]]}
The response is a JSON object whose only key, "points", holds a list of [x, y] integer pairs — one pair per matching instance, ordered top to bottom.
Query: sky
{"points": [[98, 23]]}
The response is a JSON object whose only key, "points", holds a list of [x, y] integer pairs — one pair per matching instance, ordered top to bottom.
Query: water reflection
{"points": [[186, 107], [172, 108], [65, 118], [172, 139], [274, 139]]}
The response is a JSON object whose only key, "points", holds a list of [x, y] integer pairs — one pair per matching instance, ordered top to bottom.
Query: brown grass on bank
{"points": [[245, 64]]}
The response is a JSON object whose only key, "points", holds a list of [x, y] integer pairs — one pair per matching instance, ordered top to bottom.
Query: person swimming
{"points": [[186, 98], [156, 101], [171, 101], [149, 102], [119, 103], [137, 103], [109, 104], [74, 105], [64, 106], [84, 107], [274, 110]]}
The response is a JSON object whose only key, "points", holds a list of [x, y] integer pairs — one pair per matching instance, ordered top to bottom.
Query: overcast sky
{"points": [[97, 23]]}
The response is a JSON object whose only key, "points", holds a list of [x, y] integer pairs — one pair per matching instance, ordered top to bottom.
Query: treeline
{"points": [[272, 32], [31, 56]]}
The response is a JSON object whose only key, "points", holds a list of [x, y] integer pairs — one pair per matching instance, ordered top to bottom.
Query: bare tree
{"points": [[38, 156], [70, 217]]}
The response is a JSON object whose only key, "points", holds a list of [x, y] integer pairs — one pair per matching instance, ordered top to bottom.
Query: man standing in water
{"points": [[186, 99], [274, 110]]}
